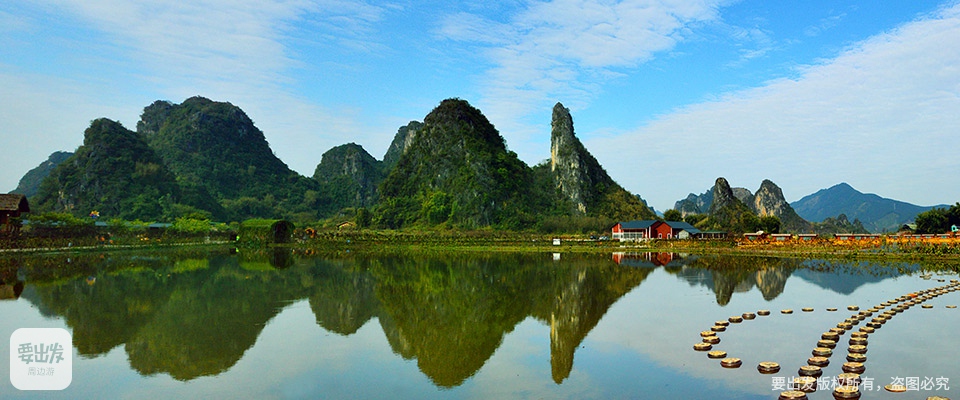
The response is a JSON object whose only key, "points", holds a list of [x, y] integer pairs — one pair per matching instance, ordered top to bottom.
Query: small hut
{"points": [[12, 206]]}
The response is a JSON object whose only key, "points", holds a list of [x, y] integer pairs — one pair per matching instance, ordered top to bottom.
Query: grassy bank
{"points": [[488, 240], [373, 241]]}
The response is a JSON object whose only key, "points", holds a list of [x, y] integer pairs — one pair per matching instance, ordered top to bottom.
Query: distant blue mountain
{"points": [[878, 214]]}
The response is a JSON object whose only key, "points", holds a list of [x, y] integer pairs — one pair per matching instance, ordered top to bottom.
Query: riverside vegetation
{"points": [[119, 235]]}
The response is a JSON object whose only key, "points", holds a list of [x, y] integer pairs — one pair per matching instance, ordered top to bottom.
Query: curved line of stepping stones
{"points": [[848, 382]]}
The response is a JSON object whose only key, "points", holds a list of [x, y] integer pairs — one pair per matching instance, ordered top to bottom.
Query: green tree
{"points": [[114, 172], [437, 208], [672, 215], [363, 217], [694, 219], [938, 220], [748, 222], [194, 224], [770, 224]]}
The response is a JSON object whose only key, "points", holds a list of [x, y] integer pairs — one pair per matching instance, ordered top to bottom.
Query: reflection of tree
{"points": [[281, 257], [8, 271], [342, 299]]}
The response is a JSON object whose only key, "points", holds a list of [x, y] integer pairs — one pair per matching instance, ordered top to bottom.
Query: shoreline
{"points": [[493, 241], [109, 247]]}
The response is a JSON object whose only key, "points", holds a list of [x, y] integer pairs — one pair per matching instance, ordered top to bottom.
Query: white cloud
{"points": [[825, 24], [215, 41], [753, 42], [565, 49], [228, 50], [882, 115]]}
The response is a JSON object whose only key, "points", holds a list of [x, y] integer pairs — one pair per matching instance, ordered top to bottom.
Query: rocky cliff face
{"points": [[154, 116], [401, 142], [576, 171], [350, 176], [582, 181], [30, 182], [744, 195], [723, 196], [769, 201], [694, 204], [700, 204], [738, 209], [727, 212]]}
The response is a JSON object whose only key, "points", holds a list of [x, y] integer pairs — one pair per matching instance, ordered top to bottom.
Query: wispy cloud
{"points": [[10, 22], [824, 24], [238, 41], [752, 42], [565, 49], [242, 51], [882, 115]]}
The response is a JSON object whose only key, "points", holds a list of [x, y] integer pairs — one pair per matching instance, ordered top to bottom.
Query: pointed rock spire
{"points": [[575, 169], [722, 195]]}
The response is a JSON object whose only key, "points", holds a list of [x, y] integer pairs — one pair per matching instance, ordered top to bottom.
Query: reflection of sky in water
{"points": [[662, 308], [641, 348]]}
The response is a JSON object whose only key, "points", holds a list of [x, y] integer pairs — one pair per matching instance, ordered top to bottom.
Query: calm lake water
{"points": [[281, 324]]}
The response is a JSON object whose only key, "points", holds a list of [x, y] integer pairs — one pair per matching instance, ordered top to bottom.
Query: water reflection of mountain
{"points": [[722, 275], [728, 275], [847, 277], [342, 296], [578, 302], [451, 314], [189, 317]]}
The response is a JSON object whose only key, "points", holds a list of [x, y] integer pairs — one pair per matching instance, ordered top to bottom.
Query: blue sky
{"points": [[668, 95]]}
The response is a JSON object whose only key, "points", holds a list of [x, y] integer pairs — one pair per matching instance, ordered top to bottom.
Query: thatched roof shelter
{"points": [[14, 203], [12, 206]]}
